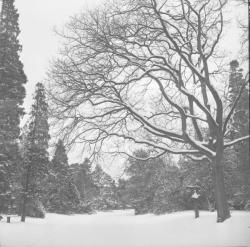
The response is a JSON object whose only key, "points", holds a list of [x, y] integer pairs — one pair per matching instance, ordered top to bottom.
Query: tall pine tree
{"points": [[12, 93], [240, 120], [240, 127], [36, 157]]}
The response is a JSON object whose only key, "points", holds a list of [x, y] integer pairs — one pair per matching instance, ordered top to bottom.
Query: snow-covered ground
{"points": [[124, 229]]}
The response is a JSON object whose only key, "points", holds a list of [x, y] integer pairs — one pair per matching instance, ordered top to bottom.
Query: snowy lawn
{"points": [[124, 229]]}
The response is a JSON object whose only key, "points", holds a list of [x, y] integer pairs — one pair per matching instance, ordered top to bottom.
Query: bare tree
{"points": [[243, 23], [145, 72]]}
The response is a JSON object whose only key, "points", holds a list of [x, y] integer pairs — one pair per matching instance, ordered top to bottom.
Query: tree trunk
{"points": [[222, 207], [196, 209], [23, 213]]}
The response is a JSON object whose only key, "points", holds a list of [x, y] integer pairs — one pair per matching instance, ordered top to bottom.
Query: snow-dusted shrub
{"points": [[99, 204], [247, 206], [84, 208], [35, 209]]}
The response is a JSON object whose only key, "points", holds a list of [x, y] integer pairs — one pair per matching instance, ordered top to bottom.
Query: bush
{"points": [[239, 202], [247, 206], [84, 208], [35, 209]]}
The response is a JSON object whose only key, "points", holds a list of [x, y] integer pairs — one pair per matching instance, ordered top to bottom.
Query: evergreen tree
{"points": [[12, 93], [240, 121], [239, 127], [35, 155], [145, 178], [84, 181], [139, 184], [153, 185], [106, 187], [63, 196], [122, 196]]}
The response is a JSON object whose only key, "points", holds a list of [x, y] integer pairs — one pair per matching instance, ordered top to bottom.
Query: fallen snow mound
{"points": [[124, 229]]}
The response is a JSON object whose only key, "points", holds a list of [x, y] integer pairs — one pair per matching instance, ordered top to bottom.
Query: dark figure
{"points": [[195, 198], [1, 217]]}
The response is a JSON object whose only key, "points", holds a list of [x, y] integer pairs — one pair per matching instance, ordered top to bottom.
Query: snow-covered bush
{"points": [[85, 208]]}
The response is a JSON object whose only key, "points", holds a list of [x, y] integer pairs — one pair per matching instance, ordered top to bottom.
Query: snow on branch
{"points": [[244, 138]]}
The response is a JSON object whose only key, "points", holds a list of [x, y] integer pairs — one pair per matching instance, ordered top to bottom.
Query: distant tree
{"points": [[12, 93], [35, 150], [59, 163], [83, 180], [139, 185], [153, 185], [106, 187], [170, 194], [122, 195], [63, 196]]}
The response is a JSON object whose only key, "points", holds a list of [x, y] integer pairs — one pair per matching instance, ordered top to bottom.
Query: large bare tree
{"points": [[146, 72]]}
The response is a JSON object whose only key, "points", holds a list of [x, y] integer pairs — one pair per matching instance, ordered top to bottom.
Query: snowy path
{"points": [[123, 229]]}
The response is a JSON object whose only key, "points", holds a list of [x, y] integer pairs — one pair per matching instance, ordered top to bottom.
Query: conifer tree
{"points": [[12, 93], [240, 121], [239, 127], [36, 150], [143, 176], [83, 180], [63, 196], [107, 197]]}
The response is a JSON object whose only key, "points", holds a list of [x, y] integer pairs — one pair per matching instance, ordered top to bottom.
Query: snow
{"points": [[195, 195], [124, 229]]}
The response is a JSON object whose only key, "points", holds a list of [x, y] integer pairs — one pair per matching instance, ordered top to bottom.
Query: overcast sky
{"points": [[37, 21], [40, 44]]}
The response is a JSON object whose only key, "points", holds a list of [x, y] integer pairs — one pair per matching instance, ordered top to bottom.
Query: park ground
{"points": [[124, 229]]}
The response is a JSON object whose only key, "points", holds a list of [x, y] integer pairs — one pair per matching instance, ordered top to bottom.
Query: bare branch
{"points": [[238, 140]]}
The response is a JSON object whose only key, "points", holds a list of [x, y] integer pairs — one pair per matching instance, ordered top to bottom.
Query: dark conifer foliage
{"points": [[12, 77], [12, 93], [240, 121], [239, 126], [36, 155], [60, 160], [83, 180], [153, 185], [63, 196], [106, 197]]}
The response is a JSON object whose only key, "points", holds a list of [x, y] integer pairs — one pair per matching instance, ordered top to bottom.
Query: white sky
{"points": [[39, 17], [37, 20]]}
